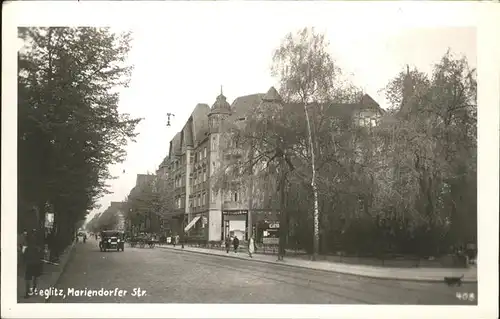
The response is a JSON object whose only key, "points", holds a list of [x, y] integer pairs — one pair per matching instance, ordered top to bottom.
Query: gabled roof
{"points": [[272, 95], [368, 102], [243, 104], [349, 109], [200, 122], [175, 145], [144, 179]]}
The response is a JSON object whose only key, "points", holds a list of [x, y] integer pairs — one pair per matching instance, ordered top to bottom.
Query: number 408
{"points": [[466, 296]]}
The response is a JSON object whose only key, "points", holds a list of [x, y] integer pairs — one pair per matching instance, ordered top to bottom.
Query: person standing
{"points": [[21, 242], [227, 243], [236, 243], [251, 246], [33, 255]]}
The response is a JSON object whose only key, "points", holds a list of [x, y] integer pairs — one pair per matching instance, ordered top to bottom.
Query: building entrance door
{"points": [[235, 224]]}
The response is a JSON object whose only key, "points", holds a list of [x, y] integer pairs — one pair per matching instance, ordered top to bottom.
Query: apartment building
{"points": [[197, 151]]}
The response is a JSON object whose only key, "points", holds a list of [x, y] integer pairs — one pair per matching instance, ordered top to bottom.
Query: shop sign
{"points": [[237, 212], [270, 241]]}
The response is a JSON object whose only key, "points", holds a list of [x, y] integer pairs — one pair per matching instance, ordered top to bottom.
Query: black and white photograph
{"points": [[249, 156]]}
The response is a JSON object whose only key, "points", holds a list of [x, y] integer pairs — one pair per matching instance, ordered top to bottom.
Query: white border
{"points": [[483, 15]]}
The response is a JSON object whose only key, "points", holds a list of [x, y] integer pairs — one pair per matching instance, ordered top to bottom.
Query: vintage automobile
{"points": [[112, 239]]}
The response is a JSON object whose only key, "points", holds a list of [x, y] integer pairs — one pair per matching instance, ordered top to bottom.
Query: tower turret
{"points": [[220, 110]]}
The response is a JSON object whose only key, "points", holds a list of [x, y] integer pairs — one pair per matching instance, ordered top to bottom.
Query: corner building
{"points": [[194, 156]]}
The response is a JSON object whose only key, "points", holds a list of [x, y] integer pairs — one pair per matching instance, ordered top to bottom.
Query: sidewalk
{"points": [[407, 274], [49, 278]]}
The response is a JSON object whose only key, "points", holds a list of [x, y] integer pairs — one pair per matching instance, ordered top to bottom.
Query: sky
{"points": [[179, 62]]}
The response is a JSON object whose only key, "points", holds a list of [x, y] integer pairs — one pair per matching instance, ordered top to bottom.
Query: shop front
{"points": [[235, 224], [197, 227], [265, 227]]}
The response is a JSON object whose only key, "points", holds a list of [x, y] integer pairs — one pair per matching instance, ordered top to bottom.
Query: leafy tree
{"points": [[309, 76], [70, 129], [278, 138], [433, 148], [153, 201], [108, 220]]}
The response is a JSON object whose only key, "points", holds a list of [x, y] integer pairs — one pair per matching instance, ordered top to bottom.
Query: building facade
{"points": [[198, 151]]}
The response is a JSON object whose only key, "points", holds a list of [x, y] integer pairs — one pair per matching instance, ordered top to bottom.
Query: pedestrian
{"points": [[21, 242], [227, 243], [236, 243], [52, 245], [251, 246], [33, 255]]}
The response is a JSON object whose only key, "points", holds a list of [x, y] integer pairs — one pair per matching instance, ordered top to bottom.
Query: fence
{"points": [[268, 249]]}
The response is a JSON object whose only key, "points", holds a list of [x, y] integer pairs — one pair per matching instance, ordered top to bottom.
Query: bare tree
{"points": [[308, 75]]}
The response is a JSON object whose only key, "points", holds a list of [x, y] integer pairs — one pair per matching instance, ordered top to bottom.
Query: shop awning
{"points": [[191, 223]]}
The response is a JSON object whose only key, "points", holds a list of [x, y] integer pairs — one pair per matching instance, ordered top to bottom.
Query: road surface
{"points": [[162, 275]]}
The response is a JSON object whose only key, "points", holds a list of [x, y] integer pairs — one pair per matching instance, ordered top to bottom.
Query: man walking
{"points": [[227, 243], [236, 243], [33, 255]]}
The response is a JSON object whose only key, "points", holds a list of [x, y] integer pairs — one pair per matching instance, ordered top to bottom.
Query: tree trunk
{"points": [[315, 190], [282, 217]]}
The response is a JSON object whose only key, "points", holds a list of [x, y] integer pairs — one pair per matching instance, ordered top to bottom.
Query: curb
{"points": [[64, 263], [323, 270]]}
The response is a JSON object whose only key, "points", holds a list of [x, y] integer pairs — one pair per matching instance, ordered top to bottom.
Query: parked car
{"points": [[112, 239]]}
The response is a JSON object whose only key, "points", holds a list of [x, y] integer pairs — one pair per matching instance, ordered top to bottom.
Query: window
{"points": [[205, 152], [204, 173], [214, 195], [235, 196], [204, 199], [198, 200], [190, 201]]}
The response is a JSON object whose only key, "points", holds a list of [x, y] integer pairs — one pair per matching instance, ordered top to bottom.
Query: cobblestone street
{"points": [[171, 276]]}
